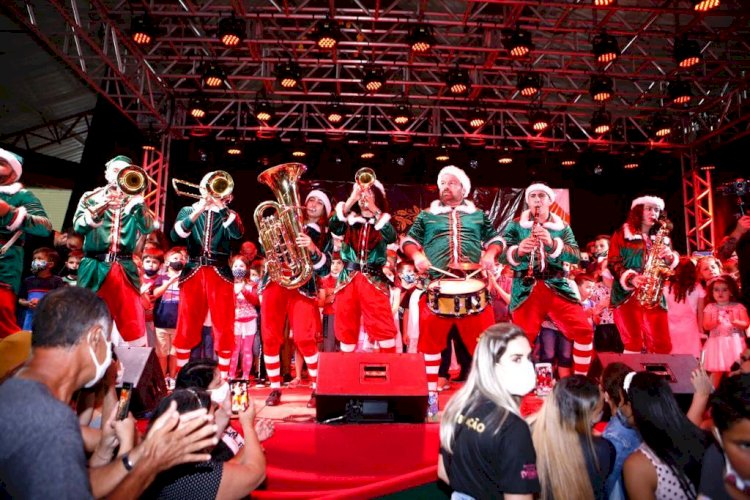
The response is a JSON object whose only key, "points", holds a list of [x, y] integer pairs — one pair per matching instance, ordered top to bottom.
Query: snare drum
{"points": [[457, 297]]}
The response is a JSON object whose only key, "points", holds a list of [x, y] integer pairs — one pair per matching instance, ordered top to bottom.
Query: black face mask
{"points": [[177, 266], [150, 272]]}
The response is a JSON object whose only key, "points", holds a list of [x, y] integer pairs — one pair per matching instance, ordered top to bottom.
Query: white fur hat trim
{"points": [[459, 174], [540, 187], [317, 193], [648, 199]]}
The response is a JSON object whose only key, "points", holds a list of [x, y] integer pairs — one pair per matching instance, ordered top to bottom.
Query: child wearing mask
{"points": [[151, 262], [69, 274], [35, 287], [167, 296], [326, 297], [245, 317]]}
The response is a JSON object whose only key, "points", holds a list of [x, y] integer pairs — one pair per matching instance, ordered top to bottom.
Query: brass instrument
{"points": [[365, 178], [133, 180], [218, 185], [288, 265], [655, 270], [528, 280]]}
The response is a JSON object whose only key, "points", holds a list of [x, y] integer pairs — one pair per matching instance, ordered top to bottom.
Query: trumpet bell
{"points": [[365, 177], [132, 180], [219, 184]]}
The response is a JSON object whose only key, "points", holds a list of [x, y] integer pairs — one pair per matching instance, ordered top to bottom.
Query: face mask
{"points": [[38, 265], [177, 266], [150, 272], [239, 273], [408, 278], [255, 279], [100, 368], [519, 378], [219, 394], [730, 475]]}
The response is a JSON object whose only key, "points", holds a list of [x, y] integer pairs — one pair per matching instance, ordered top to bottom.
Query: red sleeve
{"points": [[251, 295]]}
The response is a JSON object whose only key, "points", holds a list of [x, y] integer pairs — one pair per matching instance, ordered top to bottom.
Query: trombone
{"points": [[218, 184]]}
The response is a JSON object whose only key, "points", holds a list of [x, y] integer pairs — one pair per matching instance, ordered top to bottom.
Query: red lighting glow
{"points": [[706, 5], [141, 38]]}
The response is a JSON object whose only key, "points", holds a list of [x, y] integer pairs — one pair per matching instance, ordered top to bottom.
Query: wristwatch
{"points": [[127, 463]]}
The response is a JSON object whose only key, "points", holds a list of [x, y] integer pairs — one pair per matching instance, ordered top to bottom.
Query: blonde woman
{"points": [[485, 445], [572, 463]]}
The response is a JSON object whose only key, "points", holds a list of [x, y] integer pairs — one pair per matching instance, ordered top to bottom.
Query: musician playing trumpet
{"points": [[111, 222], [207, 228], [539, 241]]}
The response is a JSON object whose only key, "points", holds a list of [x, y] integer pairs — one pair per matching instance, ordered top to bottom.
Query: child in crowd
{"points": [[601, 248], [151, 262], [706, 268], [69, 274], [35, 287], [167, 296], [326, 297], [685, 303], [245, 316], [727, 320], [606, 336]]}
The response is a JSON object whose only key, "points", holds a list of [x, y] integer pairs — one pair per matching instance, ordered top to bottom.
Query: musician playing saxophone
{"points": [[111, 223], [537, 248], [628, 251]]}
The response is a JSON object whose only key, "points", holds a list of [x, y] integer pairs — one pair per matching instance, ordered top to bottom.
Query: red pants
{"points": [[203, 292], [361, 302], [124, 303], [280, 303], [568, 316], [8, 323], [639, 325], [434, 329]]}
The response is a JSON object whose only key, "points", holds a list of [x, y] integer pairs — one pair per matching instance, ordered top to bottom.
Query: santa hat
{"points": [[14, 161], [459, 174], [540, 187], [320, 195], [648, 199]]}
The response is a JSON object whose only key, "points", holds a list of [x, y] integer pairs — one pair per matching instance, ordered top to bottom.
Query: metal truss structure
{"points": [[70, 130], [156, 165], [697, 191]]}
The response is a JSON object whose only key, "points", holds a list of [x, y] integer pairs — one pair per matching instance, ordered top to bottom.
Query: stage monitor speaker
{"points": [[141, 368], [676, 368], [371, 387]]}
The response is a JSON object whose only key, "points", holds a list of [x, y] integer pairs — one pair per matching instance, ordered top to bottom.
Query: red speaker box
{"points": [[141, 368], [676, 368], [371, 387]]}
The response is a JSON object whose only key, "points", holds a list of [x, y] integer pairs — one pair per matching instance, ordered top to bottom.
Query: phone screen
{"points": [[544, 379], [239, 395], [123, 404]]}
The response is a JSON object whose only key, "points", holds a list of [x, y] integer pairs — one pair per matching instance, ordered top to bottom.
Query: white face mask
{"points": [[101, 369], [518, 378], [219, 394], [730, 475]]}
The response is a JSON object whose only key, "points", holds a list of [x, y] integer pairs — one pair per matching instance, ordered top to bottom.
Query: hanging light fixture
{"points": [[603, 3], [705, 5], [142, 29], [231, 31], [327, 33], [421, 38], [517, 42], [605, 48], [687, 52], [288, 74], [213, 76], [373, 79], [458, 81], [529, 83], [601, 88], [679, 91], [198, 106], [263, 108], [335, 111], [402, 114], [476, 116], [539, 119], [601, 121], [661, 125], [298, 145], [234, 148], [368, 152], [443, 153], [506, 153], [568, 154], [631, 161]]}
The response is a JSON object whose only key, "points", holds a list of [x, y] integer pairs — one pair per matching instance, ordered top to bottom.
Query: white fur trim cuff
{"points": [[459, 174], [539, 187], [317, 193], [648, 199], [132, 203], [340, 211], [88, 217], [18, 218], [230, 219], [384, 219], [179, 228], [409, 239], [497, 240], [558, 246], [509, 254], [675, 260], [321, 262], [624, 279]]}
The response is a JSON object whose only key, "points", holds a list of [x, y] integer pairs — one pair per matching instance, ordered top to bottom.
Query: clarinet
{"points": [[529, 279]]}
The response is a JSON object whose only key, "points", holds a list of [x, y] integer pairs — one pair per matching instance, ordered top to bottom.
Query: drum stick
{"points": [[445, 272], [474, 273]]}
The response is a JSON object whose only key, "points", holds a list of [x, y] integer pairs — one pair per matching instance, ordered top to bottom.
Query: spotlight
{"points": [[603, 3], [705, 5], [142, 30], [231, 31], [327, 34], [421, 38], [517, 42], [605, 48], [687, 53], [288, 74], [213, 76], [373, 79], [458, 81], [529, 83], [601, 88], [679, 91], [197, 107], [263, 109], [335, 112], [402, 114], [476, 117], [539, 119], [601, 121], [661, 125], [234, 148], [299, 152], [368, 153], [443, 154], [506, 154], [568, 154], [631, 160], [707, 164]]}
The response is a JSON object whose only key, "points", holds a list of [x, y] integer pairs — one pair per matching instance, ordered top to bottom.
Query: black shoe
{"points": [[461, 377], [274, 399], [312, 403]]}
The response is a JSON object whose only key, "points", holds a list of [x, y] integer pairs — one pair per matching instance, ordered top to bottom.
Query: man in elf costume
{"points": [[21, 213], [111, 223], [206, 228], [452, 231], [538, 243], [628, 250], [299, 305]]}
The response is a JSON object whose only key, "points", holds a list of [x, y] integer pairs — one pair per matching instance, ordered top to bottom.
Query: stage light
{"points": [[603, 3], [705, 5], [142, 30], [231, 31], [327, 34], [421, 38], [517, 42], [605, 48], [687, 53], [288, 74], [213, 76], [373, 79], [458, 81], [529, 83], [601, 88], [679, 91], [197, 107], [263, 109], [335, 112], [402, 114], [476, 117], [539, 119], [601, 121], [661, 125], [234, 148], [298, 152], [368, 153], [443, 154], [506, 154], [568, 154], [631, 161], [707, 164]]}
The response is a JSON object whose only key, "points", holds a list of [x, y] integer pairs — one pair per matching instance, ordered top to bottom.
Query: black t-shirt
{"points": [[605, 458], [487, 464], [712, 475]]}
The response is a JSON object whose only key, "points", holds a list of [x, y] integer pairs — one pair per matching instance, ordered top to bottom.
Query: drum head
{"points": [[464, 266], [457, 287]]}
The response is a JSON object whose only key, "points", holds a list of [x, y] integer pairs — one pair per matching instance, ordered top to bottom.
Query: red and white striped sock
{"points": [[347, 347], [183, 356], [224, 358], [582, 358], [432, 366], [273, 368], [312, 368]]}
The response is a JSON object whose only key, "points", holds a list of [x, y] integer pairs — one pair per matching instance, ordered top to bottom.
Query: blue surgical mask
{"points": [[38, 265], [408, 278], [255, 279]]}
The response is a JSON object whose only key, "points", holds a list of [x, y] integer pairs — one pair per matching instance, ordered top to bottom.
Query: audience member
{"points": [[739, 241], [37, 286], [685, 301]]}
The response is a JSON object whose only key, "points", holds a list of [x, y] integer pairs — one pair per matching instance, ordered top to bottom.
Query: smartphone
{"points": [[544, 379], [239, 395], [123, 404]]}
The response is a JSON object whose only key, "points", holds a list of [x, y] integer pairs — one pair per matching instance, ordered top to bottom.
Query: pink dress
{"points": [[684, 329], [725, 342]]}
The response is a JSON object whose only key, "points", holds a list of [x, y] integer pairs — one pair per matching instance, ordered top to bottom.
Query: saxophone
{"points": [[655, 270]]}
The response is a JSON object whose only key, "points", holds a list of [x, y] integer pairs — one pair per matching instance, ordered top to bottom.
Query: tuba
{"points": [[288, 265], [655, 270]]}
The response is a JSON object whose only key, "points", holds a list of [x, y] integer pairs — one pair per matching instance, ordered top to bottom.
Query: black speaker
{"points": [[141, 368], [676, 368], [371, 387]]}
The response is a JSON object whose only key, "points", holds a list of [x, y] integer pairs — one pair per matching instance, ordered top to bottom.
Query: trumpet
{"points": [[365, 178], [218, 185], [528, 280]]}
